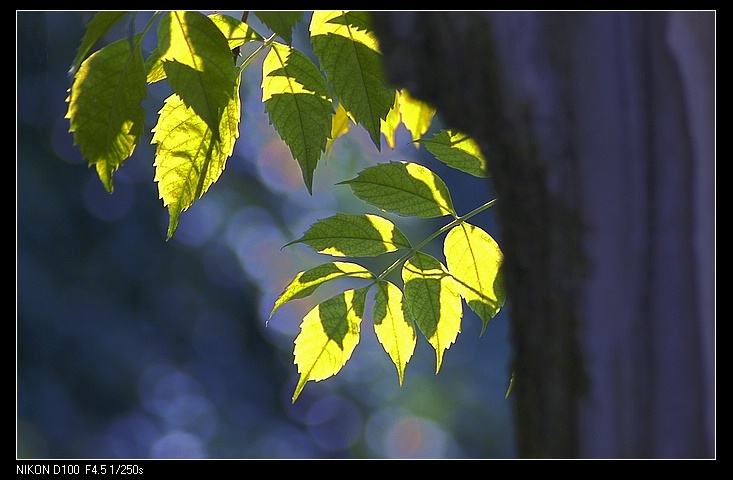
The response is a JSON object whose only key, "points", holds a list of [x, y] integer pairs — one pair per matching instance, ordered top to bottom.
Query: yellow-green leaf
{"points": [[235, 31], [349, 55], [198, 64], [297, 102], [105, 113], [415, 114], [391, 122], [340, 125], [457, 150], [188, 158], [404, 188], [354, 235], [474, 259], [306, 282], [434, 301], [394, 328], [328, 335]]}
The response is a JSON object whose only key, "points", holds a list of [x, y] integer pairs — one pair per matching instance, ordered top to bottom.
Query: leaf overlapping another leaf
{"points": [[349, 55], [198, 64], [297, 102], [105, 111], [188, 158], [403, 188], [354, 235], [306, 282], [433, 299], [328, 335]]}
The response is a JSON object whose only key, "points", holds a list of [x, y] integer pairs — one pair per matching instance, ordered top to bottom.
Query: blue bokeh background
{"points": [[129, 346]]}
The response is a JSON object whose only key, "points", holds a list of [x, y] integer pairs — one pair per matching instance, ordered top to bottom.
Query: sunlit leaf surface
{"points": [[198, 64], [188, 159], [474, 259], [306, 282], [394, 328], [328, 335]]}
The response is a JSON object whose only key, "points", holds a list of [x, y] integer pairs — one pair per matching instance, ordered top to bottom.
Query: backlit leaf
{"points": [[281, 22], [235, 31], [348, 53], [198, 64], [297, 102], [105, 113], [416, 115], [340, 125], [389, 125], [457, 150], [188, 158], [403, 188], [353, 235], [474, 259], [305, 283], [434, 301], [394, 328], [328, 335]]}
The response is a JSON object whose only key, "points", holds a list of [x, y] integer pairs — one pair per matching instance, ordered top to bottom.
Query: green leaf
{"points": [[281, 23], [95, 29], [235, 32], [349, 55], [198, 64], [297, 102], [105, 113], [457, 150], [188, 158], [403, 188], [353, 235], [474, 259], [306, 282], [434, 301], [393, 326], [328, 335]]}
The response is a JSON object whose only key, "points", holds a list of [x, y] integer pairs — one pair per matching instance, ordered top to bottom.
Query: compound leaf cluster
{"points": [[310, 102]]}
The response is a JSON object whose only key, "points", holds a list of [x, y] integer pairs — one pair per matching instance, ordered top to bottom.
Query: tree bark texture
{"points": [[598, 129]]}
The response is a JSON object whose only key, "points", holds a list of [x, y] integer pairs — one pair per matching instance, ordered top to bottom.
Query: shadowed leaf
{"points": [[297, 102], [105, 113], [403, 188], [354, 235], [434, 302]]}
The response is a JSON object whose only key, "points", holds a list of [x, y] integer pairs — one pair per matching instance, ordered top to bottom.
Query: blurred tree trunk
{"points": [[598, 128]]}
